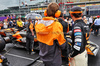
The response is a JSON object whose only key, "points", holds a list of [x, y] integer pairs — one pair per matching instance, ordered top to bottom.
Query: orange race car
{"points": [[18, 38]]}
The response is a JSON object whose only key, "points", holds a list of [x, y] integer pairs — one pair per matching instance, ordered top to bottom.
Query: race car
{"points": [[5, 37], [18, 38]]}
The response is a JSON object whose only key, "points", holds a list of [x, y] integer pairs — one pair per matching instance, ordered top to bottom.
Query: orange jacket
{"points": [[48, 30]]}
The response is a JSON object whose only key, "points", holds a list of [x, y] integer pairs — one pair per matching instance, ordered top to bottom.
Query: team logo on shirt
{"points": [[86, 26], [77, 30], [77, 33], [77, 36], [78, 40], [78, 43], [76, 47]]}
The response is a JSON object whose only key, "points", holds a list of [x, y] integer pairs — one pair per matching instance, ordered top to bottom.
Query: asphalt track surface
{"points": [[19, 57]]}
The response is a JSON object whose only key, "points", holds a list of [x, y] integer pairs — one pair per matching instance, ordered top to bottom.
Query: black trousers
{"points": [[90, 24], [70, 27], [92, 27], [96, 29], [29, 42]]}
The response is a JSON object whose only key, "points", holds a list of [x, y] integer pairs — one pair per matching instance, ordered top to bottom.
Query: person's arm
{"points": [[31, 29], [78, 40], [61, 42]]}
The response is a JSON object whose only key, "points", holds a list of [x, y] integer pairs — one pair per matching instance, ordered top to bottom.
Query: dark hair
{"points": [[52, 9], [77, 15], [19, 18], [29, 20]]}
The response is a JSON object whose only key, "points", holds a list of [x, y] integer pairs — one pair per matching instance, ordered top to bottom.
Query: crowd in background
{"points": [[24, 4], [92, 22], [13, 23]]}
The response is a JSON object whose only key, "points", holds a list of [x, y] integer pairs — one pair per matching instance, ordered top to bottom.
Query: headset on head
{"points": [[57, 14]]}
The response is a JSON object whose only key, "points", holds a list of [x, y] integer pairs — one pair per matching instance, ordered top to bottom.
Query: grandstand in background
{"points": [[90, 7]]}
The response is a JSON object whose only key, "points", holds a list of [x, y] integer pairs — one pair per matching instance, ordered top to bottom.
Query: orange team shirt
{"points": [[31, 26]]}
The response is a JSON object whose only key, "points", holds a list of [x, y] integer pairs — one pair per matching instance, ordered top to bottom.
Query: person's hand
{"points": [[32, 34], [71, 59]]}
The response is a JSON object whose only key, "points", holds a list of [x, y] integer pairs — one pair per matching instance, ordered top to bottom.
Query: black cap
{"points": [[76, 8]]}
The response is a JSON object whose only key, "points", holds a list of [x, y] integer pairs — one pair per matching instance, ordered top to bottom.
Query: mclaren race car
{"points": [[5, 35], [15, 36], [18, 38]]}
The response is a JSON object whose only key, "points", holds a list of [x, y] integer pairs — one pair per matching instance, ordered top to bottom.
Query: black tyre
{"points": [[2, 43]]}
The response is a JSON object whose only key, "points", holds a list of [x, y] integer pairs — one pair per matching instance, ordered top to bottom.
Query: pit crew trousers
{"points": [[29, 42], [80, 60]]}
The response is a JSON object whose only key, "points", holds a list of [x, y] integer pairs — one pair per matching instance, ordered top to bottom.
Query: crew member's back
{"points": [[64, 24]]}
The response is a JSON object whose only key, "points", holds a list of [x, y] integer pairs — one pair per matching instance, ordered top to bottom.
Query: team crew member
{"points": [[19, 23], [64, 24], [97, 25], [65, 30], [50, 36], [30, 37], [79, 54]]}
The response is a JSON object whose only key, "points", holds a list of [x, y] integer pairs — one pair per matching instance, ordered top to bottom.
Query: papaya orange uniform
{"points": [[29, 38], [51, 38]]}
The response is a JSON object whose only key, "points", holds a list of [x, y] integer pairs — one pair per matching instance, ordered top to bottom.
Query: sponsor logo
{"points": [[86, 26], [77, 30], [77, 33], [77, 36], [78, 40], [78, 43], [77, 48]]}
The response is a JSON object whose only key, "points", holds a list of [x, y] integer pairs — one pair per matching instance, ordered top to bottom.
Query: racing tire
{"points": [[2, 43]]}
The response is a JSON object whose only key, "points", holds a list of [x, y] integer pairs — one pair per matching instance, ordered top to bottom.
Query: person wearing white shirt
{"points": [[66, 19], [90, 21], [23, 23], [5, 24], [97, 25]]}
